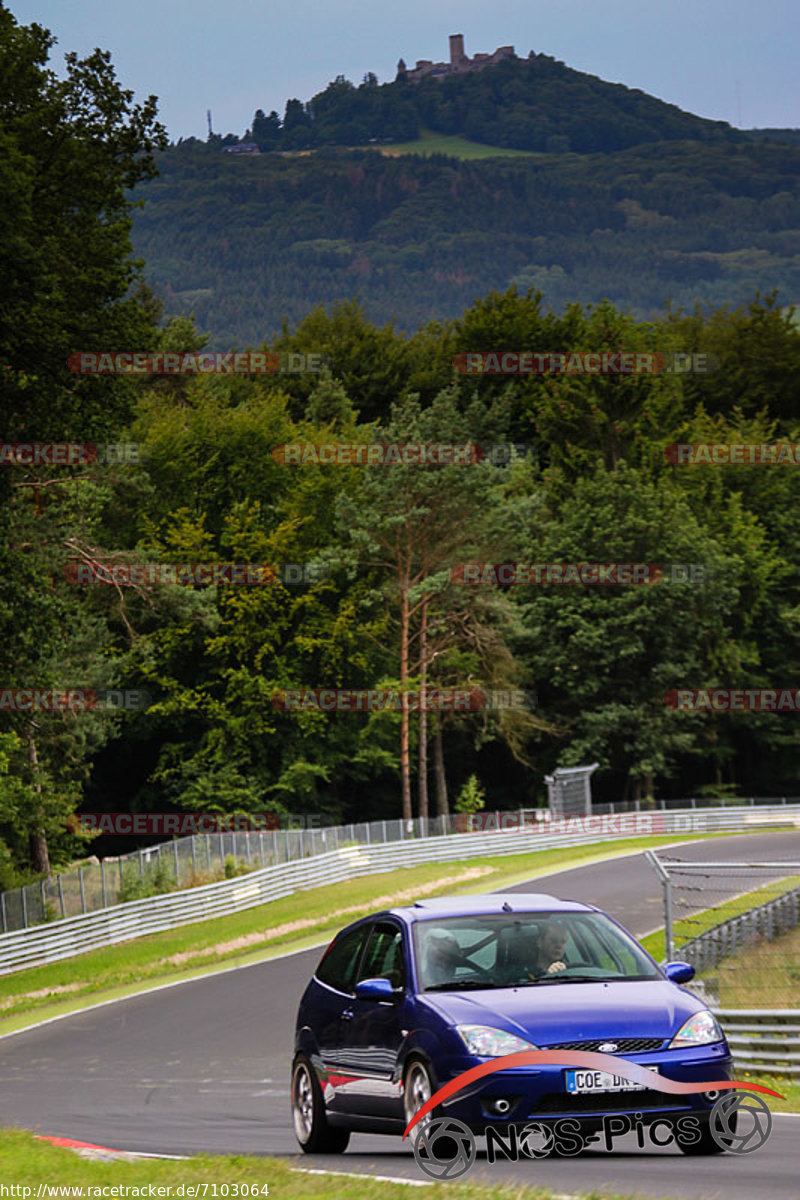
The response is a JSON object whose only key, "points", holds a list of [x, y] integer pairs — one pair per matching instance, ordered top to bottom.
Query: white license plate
{"points": [[586, 1082]]}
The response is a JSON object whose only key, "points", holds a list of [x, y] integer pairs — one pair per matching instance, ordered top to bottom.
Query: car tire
{"points": [[419, 1084], [311, 1128], [707, 1144]]}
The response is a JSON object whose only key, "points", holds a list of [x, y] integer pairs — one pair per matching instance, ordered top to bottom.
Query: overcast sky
{"points": [[731, 60]]}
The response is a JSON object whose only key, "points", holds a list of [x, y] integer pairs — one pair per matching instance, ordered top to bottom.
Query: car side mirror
{"points": [[679, 972], [375, 989]]}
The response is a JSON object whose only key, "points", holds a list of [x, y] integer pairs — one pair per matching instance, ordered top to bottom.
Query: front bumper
{"points": [[540, 1092]]}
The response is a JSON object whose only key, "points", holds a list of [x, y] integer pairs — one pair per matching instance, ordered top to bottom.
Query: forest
{"points": [[247, 244], [379, 602]]}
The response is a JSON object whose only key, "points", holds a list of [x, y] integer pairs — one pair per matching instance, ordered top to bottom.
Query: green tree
{"points": [[72, 148], [605, 657]]}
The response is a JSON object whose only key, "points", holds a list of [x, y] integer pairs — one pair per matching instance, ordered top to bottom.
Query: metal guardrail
{"points": [[693, 803], [193, 860], [62, 939], [762, 1041]]}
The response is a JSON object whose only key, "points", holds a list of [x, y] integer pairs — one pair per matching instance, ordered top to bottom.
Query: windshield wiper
{"points": [[571, 979], [460, 985]]}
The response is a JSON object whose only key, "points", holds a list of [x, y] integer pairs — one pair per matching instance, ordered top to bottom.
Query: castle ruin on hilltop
{"points": [[459, 64]]}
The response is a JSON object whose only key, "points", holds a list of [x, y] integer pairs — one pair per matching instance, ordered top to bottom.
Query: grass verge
{"points": [[293, 923], [766, 975], [789, 1089], [28, 1162]]}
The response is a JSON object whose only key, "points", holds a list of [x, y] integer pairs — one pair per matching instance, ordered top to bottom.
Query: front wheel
{"points": [[418, 1087], [311, 1128], [707, 1143]]}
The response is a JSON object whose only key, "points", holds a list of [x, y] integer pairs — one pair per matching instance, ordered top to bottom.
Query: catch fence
{"points": [[738, 924]]}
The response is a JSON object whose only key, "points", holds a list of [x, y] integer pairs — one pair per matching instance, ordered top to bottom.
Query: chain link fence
{"points": [[191, 862], [738, 924]]}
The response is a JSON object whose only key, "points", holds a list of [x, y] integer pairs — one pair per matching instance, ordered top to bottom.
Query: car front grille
{"points": [[624, 1045], [562, 1104]]}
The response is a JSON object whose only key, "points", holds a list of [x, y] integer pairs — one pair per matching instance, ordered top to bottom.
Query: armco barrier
{"points": [[74, 935], [763, 1041]]}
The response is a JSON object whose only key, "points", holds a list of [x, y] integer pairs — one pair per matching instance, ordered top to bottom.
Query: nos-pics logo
{"points": [[739, 1122]]}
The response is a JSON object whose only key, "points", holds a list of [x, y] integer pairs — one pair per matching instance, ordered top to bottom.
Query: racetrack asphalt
{"points": [[204, 1066]]}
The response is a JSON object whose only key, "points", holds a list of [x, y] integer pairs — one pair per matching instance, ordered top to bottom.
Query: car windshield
{"points": [[525, 950]]}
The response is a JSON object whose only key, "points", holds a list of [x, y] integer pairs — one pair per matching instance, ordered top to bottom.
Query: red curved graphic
{"points": [[633, 1072]]}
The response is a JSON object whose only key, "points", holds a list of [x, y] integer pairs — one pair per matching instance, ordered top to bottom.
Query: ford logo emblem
{"points": [[608, 1047]]}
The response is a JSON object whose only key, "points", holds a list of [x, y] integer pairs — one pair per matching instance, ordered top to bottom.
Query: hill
{"points": [[536, 103]]}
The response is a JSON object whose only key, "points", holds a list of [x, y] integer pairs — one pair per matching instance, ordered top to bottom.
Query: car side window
{"points": [[384, 957], [340, 960]]}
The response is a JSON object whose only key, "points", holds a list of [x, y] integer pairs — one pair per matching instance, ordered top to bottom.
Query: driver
{"points": [[552, 949]]}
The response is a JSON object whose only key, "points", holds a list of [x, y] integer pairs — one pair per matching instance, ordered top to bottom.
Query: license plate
{"points": [[585, 1082]]}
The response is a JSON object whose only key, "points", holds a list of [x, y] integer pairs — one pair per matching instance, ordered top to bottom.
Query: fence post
{"points": [[263, 851], [194, 857], [655, 862], [177, 863], [141, 865], [102, 884], [83, 891], [44, 901], [3, 908], [24, 908], [669, 940]]}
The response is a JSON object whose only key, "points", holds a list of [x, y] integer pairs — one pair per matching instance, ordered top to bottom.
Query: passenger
{"points": [[442, 957]]}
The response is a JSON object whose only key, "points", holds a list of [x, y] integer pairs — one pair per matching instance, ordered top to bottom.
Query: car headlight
{"points": [[699, 1030], [485, 1042]]}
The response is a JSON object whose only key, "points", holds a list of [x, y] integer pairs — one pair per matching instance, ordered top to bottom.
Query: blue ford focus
{"points": [[404, 1001]]}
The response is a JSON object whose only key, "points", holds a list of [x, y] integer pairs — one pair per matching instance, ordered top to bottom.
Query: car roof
{"points": [[487, 905]]}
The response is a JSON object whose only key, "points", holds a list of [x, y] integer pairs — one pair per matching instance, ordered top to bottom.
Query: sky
{"points": [[730, 60]]}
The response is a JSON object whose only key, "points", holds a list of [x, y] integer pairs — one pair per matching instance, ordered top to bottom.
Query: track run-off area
{"points": [[204, 1066]]}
